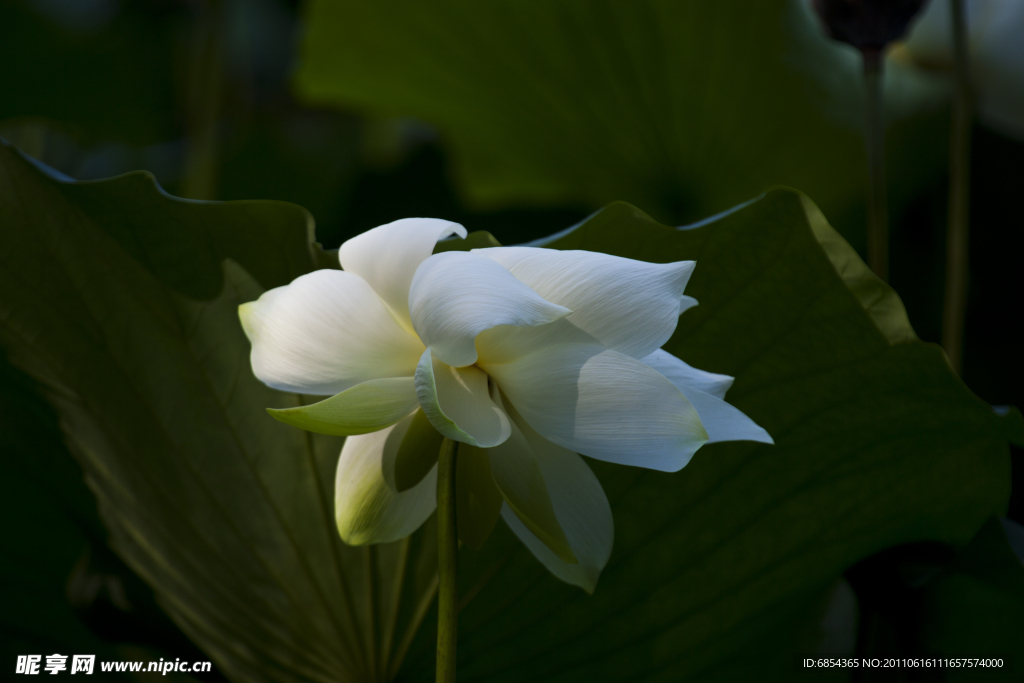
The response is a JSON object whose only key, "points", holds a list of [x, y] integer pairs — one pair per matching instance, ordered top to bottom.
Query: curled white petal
{"points": [[387, 257], [456, 295], [625, 305], [325, 332], [458, 404], [603, 404], [724, 422], [367, 510]]}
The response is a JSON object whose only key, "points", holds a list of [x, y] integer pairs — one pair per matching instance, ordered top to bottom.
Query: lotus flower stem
{"points": [[878, 210], [955, 304], [447, 564]]}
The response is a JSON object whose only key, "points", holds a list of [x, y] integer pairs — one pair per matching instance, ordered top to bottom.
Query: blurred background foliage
{"points": [[520, 118]]}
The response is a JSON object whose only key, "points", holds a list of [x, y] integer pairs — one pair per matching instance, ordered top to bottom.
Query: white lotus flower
{"points": [[527, 356]]}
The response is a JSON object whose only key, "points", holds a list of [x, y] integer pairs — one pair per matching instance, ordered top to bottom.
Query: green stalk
{"points": [[205, 85], [874, 140], [955, 303], [447, 564]]}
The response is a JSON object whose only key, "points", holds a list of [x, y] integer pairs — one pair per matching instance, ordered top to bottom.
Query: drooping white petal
{"points": [[387, 257], [457, 295], [627, 306], [325, 332], [679, 373], [457, 403], [604, 404], [364, 408], [723, 421], [516, 470], [580, 505], [367, 510]]}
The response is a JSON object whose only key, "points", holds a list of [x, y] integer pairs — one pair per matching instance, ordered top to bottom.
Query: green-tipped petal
{"points": [[367, 407]]}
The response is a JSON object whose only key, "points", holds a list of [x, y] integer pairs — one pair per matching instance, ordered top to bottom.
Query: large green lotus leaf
{"points": [[682, 107], [121, 302], [719, 571]]}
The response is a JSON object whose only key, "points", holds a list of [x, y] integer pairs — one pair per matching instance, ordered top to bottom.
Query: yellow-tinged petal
{"points": [[367, 510]]}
